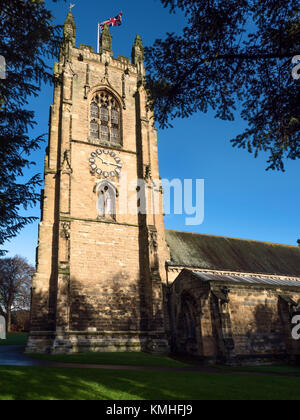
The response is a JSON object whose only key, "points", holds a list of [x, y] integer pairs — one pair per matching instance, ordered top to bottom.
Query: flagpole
{"points": [[98, 39]]}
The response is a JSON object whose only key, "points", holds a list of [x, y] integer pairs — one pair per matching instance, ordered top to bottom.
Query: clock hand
{"points": [[103, 161], [109, 163], [114, 164]]}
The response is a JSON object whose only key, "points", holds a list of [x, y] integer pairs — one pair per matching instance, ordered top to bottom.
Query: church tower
{"points": [[102, 250]]}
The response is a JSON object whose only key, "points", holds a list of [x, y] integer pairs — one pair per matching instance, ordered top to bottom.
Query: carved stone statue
{"points": [[106, 202]]}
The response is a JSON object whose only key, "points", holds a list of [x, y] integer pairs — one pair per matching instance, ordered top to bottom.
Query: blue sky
{"points": [[241, 198]]}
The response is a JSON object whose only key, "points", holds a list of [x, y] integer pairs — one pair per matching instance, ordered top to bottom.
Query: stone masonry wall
{"points": [[106, 291], [254, 324]]}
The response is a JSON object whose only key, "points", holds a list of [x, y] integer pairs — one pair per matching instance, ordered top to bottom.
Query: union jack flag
{"points": [[115, 21]]}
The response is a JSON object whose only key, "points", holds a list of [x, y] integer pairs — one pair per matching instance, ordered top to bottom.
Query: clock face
{"points": [[105, 164]]}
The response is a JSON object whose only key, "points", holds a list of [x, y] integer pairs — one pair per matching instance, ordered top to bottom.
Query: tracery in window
{"points": [[105, 118]]}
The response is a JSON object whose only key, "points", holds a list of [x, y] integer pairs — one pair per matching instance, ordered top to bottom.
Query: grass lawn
{"points": [[15, 339], [122, 359], [265, 369], [41, 383]]}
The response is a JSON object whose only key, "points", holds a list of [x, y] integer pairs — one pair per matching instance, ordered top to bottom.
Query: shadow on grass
{"points": [[15, 339], [119, 359], [273, 369], [41, 383]]}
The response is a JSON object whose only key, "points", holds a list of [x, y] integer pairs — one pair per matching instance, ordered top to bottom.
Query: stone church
{"points": [[118, 281]]}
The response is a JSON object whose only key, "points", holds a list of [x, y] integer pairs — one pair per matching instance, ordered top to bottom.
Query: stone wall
{"points": [[105, 273], [232, 323]]}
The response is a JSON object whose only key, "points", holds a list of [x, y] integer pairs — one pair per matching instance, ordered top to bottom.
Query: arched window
{"points": [[105, 118], [106, 200]]}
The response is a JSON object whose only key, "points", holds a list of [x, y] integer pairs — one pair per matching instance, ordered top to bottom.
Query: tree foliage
{"points": [[28, 38], [233, 55], [15, 286]]}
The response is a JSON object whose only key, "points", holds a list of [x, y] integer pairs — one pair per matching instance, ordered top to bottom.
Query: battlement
{"points": [[87, 53]]}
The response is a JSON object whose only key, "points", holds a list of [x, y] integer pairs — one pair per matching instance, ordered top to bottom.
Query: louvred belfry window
{"points": [[105, 118]]}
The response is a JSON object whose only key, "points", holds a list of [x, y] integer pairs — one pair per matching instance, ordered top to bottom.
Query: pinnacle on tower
{"points": [[70, 29], [68, 39], [106, 41], [138, 52]]}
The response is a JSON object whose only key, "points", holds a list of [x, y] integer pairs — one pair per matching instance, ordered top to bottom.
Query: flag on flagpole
{"points": [[115, 21]]}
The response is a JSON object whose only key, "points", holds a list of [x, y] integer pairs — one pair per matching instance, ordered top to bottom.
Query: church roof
{"points": [[229, 254], [207, 277]]}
